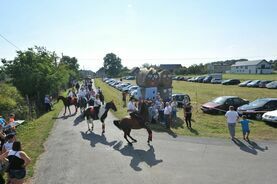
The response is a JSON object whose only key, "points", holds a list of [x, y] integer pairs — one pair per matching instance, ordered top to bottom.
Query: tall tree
{"points": [[112, 65]]}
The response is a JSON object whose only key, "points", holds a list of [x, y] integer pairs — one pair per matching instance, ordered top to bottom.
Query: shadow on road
{"points": [[64, 117], [78, 120], [95, 138], [251, 148], [138, 155]]}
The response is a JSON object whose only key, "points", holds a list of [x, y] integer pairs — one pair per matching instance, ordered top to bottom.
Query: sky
{"points": [[142, 31]]}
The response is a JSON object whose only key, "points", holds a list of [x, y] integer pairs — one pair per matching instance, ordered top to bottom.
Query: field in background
{"points": [[243, 77], [204, 124]]}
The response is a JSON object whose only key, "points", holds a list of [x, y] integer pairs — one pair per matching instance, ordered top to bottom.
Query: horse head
{"points": [[111, 105]]}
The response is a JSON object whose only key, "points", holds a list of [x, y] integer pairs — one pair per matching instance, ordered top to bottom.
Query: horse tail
{"points": [[117, 124]]}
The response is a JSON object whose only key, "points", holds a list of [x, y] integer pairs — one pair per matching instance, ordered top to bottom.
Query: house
{"points": [[170, 67], [218, 67], [252, 67], [134, 71], [101, 73]]}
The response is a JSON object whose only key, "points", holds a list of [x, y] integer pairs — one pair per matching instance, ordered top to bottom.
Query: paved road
{"points": [[75, 157]]}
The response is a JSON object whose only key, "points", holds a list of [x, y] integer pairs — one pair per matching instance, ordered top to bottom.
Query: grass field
{"points": [[204, 124], [33, 134]]}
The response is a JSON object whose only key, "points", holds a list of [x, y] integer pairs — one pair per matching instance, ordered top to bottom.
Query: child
{"points": [[245, 127]]}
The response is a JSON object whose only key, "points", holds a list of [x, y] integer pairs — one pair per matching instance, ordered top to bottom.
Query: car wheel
{"points": [[259, 116]]}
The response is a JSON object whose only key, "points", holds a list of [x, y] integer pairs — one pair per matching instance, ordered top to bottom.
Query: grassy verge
{"points": [[243, 77], [204, 124], [34, 133]]}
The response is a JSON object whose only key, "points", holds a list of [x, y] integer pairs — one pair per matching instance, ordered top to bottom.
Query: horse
{"points": [[67, 104], [103, 113], [128, 123]]}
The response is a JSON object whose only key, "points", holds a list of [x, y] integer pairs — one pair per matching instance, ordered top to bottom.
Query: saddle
{"points": [[138, 118]]}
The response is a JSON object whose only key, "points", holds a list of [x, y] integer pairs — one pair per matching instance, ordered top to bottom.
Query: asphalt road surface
{"points": [[74, 156]]}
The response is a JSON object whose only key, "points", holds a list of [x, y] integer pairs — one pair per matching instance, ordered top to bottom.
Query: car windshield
{"points": [[179, 97], [219, 100], [258, 103]]}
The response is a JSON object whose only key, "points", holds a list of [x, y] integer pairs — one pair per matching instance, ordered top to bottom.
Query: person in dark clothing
{"points": [[77, 86], [124, 99], [188, 114], [18, 160]]}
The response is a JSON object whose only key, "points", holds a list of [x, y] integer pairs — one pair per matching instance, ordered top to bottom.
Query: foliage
{"points": [[112, 65], [192, 70], [124, 72], [12, 102]]}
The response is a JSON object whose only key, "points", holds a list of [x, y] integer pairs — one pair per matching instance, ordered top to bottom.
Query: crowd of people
{"points": [[159, 110], [13, 160]]}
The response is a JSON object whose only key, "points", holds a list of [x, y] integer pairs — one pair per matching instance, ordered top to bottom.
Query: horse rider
{"points": [[77, 86], [81, 94], [70, 96], [97, 105], [133, 111]]}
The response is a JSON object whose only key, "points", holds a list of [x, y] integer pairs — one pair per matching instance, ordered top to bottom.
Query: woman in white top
{"points": [[167, 114]]}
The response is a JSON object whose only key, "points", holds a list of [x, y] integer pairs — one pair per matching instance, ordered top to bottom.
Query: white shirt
{"points": [[70, 94], [81, 94], [97, 102], [131, 107], [167, 110], [232, 116], [8, 146]]}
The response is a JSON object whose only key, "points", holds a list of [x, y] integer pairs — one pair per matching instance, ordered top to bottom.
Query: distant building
{"points": [[170, 67], [218, 67], [252, 67], [134, 71], [101, 73]]}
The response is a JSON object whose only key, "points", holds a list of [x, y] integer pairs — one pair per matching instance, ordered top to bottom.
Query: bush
{"points": [[12, 102]]}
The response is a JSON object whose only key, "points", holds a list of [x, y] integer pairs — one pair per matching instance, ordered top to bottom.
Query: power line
{"points": [[9, 41]]}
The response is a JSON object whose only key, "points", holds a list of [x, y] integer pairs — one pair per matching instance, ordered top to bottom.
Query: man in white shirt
{"points": [[97, 105], [132, 109], [167, 114], [232, 117]]}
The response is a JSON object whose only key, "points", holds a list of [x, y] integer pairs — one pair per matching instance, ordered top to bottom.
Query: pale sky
{"points": [[142, 31]]}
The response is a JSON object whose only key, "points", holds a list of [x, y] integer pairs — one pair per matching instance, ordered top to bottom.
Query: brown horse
{"points": [[67, 104], [127, 124]]}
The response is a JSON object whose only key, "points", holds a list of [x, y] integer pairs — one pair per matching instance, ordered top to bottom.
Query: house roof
{"points": [[248, 63], [134, 69]]}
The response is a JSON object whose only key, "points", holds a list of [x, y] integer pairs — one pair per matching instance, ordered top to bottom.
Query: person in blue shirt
{"points": [[2, 121], [245, 127]]}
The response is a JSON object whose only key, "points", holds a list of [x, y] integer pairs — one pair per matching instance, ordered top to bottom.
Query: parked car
{"points": [[130, 78], [193, 79], [200, 79], [207, 79], [216, 81], [230, 82], [244, 83], [254, 83], [263, 83], [272, 85], [126, 88], [132, 89], [181, 98], [221, 104], [258, 107], [270, 116]]}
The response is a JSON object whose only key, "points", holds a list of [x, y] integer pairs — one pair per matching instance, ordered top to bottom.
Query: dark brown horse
{"points": [[68, 103], [128, 123]]}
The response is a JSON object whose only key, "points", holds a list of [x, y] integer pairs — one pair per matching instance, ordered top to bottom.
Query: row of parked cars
{"points": [[217, 79], [122, 86], [262, 108]]}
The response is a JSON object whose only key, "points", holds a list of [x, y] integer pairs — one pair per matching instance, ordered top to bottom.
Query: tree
{"points": [[112, 65]]}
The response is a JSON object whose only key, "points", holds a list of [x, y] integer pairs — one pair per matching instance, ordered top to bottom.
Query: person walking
{"points": [[47, 103], [167, 114], [188, 114], [232, 117], [245, 127], [18, 160]]}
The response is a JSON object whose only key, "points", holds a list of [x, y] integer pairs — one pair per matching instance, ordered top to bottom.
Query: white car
{"points": [[272, 85], [270, 116]]}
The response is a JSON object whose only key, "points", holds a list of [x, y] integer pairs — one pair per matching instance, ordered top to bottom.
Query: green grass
{"points": [[244, 77], [205, 125], [33, 134]]}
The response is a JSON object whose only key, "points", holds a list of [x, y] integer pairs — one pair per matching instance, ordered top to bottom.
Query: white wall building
{"points": [[252, 67]]}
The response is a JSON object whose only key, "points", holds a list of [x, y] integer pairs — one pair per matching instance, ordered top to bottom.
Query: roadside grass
{"points": [[204, 125], [33, 134]]}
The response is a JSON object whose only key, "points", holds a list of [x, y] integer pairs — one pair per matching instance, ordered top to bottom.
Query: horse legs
{"points": [[76, 109], [69, 110], [64, 111], [90, 121], [103, 128], [128, 134], [149, 134], [125, 136]]}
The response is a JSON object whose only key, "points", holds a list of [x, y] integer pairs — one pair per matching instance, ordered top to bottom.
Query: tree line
{"points": [[30, 76]]}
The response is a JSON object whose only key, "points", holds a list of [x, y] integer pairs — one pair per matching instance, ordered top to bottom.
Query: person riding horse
{"points": [[81, 95], [70, 96], [97, 105], [134, 114]]}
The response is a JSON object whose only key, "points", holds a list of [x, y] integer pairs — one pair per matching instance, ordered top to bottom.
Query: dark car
{"points": [[200, 79], [207, 79], [230, 82], [244, 83], [254, 83], [263, 83], [181, 99], [221, 104], [258, 107]]}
